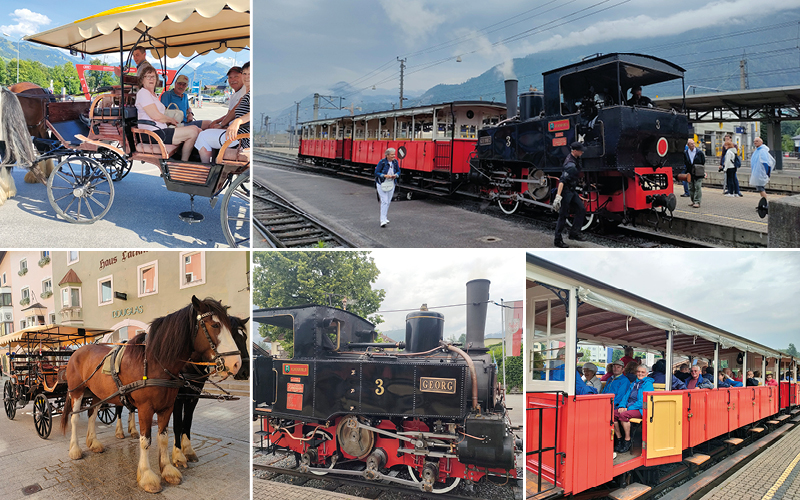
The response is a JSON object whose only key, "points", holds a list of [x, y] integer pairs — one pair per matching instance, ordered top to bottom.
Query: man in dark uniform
{"points": [[637, 99], [567, 197]]}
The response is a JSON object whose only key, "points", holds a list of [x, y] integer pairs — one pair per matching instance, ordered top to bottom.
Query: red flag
{"points": [[514, 326]]}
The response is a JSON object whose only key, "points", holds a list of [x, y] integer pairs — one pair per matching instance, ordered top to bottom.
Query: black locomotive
{"points": [[631, 151], [422, 403]]}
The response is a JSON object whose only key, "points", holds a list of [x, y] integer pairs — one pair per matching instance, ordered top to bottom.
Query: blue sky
{"points": [[17, 20]]}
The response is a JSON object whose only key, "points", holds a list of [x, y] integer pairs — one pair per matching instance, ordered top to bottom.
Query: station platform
{"points": [[773, 475], [273, 490]]}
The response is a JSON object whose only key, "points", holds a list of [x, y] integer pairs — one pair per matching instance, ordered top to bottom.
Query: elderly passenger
{"points": [[151, 116], [213, 138], [386, 174], [590, 376], [660, 376], [697, 381], [618, 384], [633, 401]]}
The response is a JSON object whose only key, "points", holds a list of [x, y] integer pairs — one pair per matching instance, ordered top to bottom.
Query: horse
{"points": [[33, 100], [15, 143], [150, 361], [188, 397]]}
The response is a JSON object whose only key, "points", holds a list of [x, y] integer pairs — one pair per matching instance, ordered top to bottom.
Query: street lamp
{"points": [[18, 40]]}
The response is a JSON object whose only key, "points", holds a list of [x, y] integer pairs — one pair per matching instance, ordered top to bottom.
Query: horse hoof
{"points": [[120, 435], [135, 435], [97, 448], [75, 453], [192, 457], [178, 458], [171, 475], [150, 482]]}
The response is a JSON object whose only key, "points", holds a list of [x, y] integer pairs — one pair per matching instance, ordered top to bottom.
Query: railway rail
{"points": [[283, 225]]}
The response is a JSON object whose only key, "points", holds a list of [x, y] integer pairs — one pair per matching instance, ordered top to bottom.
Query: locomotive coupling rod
{"points": [[473, 374], [415, 442], [376, 476]]}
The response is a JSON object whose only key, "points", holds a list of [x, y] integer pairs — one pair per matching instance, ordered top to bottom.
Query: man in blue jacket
{"points": [[617, 384], [633, 403]]}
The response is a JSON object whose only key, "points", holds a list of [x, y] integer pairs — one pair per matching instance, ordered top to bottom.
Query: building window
{"points": [[44, 254], [72, 257], [23, 267], [193, 271], [4, 278], [148, 278], [47, 288], [105, 290], [26, 294], [70, 297], [5, 299], [52, 319], [22, 324], [8, 327]]}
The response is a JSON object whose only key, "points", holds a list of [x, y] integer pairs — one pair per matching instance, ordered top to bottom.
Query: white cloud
{"points": [[413, 18], [27, 23], [226, 61]]}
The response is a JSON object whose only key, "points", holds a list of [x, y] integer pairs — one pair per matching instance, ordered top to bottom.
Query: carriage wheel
{"points": [[117, 166], [80, 190], [235, 212], [9, 402], [106, 414], [42, 416]]}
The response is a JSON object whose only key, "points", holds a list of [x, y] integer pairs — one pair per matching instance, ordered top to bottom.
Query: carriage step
{"points": [[795, 411], [782, 417], [796, 419], [773, 422], [757, 430], [261, 433], [734, 441], [697, 459], [630, 492]]}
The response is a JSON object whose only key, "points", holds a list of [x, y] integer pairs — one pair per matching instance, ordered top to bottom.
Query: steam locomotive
{"points": [[632, 153], [423, 404]]}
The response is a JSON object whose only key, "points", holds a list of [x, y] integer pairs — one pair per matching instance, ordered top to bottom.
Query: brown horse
{"points": [[203, 327]]}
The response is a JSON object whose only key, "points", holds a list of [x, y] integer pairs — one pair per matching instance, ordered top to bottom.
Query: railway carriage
{"points": [[570, 438]]}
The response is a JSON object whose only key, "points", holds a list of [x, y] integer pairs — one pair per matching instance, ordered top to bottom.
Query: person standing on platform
{"points": [[694, 162], [761, 165], [729, 166], [386, 174], [567, 196]]}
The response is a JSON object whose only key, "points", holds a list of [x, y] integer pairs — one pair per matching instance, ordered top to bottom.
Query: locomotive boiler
{"points": [[631, 152], [431, 406]]}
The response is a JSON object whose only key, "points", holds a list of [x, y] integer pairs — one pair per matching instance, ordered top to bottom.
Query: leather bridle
{"points": [[219, 362]]}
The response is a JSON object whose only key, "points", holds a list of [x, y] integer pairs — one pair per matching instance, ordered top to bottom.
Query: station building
{"points": [[124, 291]]}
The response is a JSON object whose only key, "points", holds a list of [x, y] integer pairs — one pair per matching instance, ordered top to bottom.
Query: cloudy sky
{"points": [[17, 20], [306, 46], [438, 277], [749, 293]]}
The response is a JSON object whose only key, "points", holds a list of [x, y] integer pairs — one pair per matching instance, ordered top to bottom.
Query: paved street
{"points": [[143, 214], [220, 438]]}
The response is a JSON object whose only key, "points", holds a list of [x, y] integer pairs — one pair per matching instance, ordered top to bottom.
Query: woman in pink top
{"points": [[151, 116], [771, 380]]}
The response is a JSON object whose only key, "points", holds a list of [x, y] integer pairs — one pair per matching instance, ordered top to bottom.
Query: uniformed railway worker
{"points": [[567, 197]]}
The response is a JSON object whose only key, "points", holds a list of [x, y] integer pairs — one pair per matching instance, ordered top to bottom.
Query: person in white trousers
{"points": [[386, 174]]}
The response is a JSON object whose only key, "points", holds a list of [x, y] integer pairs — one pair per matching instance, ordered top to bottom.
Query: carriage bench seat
{"points": [[113, 111], [155, 146]]}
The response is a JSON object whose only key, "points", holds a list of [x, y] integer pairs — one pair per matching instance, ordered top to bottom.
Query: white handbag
{"points": [[387, 185]]}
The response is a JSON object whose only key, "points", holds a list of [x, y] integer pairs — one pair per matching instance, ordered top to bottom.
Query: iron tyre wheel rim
{"points": [[117, 166], [80, 190], [235, 211], [9, 402], [106, 414], [42, 416]]}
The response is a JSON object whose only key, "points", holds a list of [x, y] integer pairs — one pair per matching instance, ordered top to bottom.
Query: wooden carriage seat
{"points": [[104, 116], [155, 147]]}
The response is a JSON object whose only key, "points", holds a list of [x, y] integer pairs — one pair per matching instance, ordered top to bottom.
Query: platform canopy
{"points": [[171, 27], [773, 104]]}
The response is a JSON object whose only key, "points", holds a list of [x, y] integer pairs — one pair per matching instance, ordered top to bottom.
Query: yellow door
{"points": [[663, 421]]}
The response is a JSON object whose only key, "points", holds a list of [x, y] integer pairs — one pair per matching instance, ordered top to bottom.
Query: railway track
{"points": [[283, 225], [627, 236]]}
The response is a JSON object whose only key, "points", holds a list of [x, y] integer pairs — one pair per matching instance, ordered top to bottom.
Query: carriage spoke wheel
{"points": [[117, 166], [80, 190], [235, 212], [9, 402], [106, 414], [42, 416], [437, 488]]}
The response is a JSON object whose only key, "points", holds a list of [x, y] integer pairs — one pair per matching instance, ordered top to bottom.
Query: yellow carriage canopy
{"points": [[171, 27], [50, 337]]}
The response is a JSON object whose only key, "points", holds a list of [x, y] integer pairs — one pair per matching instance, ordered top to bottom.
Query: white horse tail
{"points": [[14, 131]]}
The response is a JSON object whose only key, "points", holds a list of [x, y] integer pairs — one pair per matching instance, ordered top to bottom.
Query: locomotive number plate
{"points": [[558, 125], [486, 140], [295, 369], [441, 385]]}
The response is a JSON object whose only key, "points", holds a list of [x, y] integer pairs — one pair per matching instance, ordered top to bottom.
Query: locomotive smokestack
{"points": [[511, 98], [477, 303]]}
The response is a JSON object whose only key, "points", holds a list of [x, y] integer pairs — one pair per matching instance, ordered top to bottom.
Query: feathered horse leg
{"points": [[18, 144], [46, 167]]}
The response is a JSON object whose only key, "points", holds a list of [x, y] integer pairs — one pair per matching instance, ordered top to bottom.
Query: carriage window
{"points": [[72, 257], [192, 269], [148, 279], [105, 293], [546, 327]]}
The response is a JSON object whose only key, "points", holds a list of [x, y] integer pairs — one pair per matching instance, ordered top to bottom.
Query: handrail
{"points": [[542, 450]]}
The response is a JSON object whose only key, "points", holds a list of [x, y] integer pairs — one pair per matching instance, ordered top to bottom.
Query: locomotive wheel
{"points": [[116, 165], [538, 185], [80, 190], [507, 205], [235, 212], [587, 222], [9, 402], [106, 414], [42, 416], [327, 437], [353, 440], [449, 485]]}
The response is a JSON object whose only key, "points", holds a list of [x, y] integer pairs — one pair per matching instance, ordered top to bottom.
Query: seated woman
{"points": [[151, 116], [214, 137], [659, 376], [771, 381], [633, 399]]}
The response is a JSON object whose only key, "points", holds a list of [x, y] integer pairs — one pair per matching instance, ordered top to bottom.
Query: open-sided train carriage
{"points": [[95, 143], [35, 360]]}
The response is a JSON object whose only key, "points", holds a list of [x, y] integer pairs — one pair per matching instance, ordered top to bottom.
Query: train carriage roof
{"points": [[650, 63], [417, 110], [608, 314], [51, 336]]}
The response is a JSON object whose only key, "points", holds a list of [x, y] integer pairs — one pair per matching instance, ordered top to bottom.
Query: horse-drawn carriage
{"points": [[94, 143], [35, 361]]}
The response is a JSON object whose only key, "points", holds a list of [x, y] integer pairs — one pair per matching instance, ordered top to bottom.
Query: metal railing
{"points": [[541, 448]]}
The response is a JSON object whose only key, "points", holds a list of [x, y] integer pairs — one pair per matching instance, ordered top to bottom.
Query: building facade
{"points": [[26, 281], [124, 291]]}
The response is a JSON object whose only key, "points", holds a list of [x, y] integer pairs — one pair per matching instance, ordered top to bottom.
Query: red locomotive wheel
{"points": [[662, 147]]}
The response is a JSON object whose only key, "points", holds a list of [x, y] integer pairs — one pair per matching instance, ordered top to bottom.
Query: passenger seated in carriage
{"points": [[151, 117], [214, 137], [660, 375], [633, 401]]}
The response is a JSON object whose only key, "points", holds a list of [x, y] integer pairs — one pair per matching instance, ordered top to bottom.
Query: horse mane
{"points": [[14, 131], [170, 337]]}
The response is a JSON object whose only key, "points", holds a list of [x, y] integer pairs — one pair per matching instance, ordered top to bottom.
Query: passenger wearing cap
{"points": [[236, 83], [177, 96], [637, 99], [567, 197], [590, 376], [618, 385]]}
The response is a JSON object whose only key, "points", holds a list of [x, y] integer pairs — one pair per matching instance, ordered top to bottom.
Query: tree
{"points": [[3, 78], [283, 279], [791, 351], [514, 368]]}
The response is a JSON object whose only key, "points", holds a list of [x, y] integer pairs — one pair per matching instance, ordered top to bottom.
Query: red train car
{"points": [[439, 140], [570, 438]]}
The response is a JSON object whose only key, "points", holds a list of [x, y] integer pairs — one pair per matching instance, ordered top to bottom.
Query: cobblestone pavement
{"points": [[220, 433], [770, 476]]}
